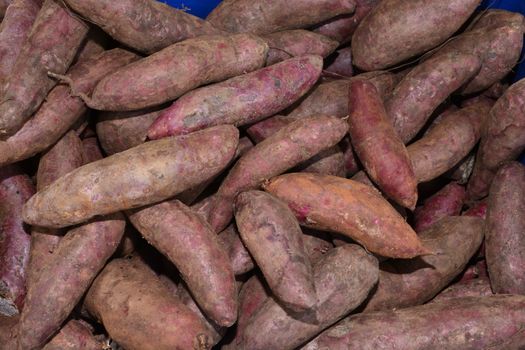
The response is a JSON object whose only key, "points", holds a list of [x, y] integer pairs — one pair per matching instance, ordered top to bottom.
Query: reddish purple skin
{"points": [[4, 4], [14, 30], [55, 35], [290, 43], [341, 66], [241, 100], [60, 111], [267, 127], [502, 139], [377, 145], [91, 150], [328, 162], [352, 165], [15, 189], [447, 202], [478, 209], [505, 230], [189, 242], [240, 257], [474, 271], [477, 287], [467, 323], [75, 335]]}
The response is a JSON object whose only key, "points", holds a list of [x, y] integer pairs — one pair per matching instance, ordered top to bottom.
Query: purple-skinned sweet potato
{"points": [[4, 4], [269, 16], [145, 25], [396, 30], [14, 31], [289, 43], [50, 47], [340, 65], [177, 69], [425, 88], [242, 100], [60, 111], [267, 127], [502, 139], [290, 146], [379, 148], [92, 151], [328, 162], [142, 175], [15, 189], [446, 202], [344, 206], [477, 209], [272, 234], [505, 239], [188, 241], [316, 244], [240, 257], [343, 279], [403, 283], [476, 287], [140, 313], [468, 323], [8, 331], [75, 335]]}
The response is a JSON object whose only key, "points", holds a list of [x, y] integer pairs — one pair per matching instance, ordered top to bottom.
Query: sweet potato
{"points": [[4, 4], [261, 17], [145, 25], [342, 27], [396, 30], [14, 31], [497, 39], [95, 42], [289, 43], [50, 47], [340, 65], [177, 69], [425, 88], [241, 100], [60, 111], [267, 127], [119, 131], [502, 139], [377, 145], [287, 148], [92, 151], [328, 162], [462, 171], [145, 174], [15, 189], [446, 202], [344, 206], [478, 209], [272, 234], [188, 241], [505, 241], [316, 244], [240, 257], [343, 279], [404, 283], [477, 287], [133, 304], [468, 323], [8, 331], [75, 335]]}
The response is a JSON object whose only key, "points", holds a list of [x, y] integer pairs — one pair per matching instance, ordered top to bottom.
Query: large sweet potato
{"points": [[396, 30], [50, 47], [177, 69], [145, 174], [344, 206]]}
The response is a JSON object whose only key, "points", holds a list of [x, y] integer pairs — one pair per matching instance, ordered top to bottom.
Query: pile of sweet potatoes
{"points": [[309, 174]]}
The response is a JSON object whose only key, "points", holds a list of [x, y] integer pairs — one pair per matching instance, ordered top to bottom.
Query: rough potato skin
{"points": [[4, 4], [269, 16], [145, 25], [342, 27], [14, 30], [396, 30], [289, 43], [50, 47], [341, 64], [177, 69], [425, 88], [241, 100], [61, 111], [267, 127], [119, 131], [502, 139], [377, 145], [287, 148], [92, 151], [329, 162], [145, 174], [15, 189], [446, 202], [344, 206], [478, 209], [505, 230], [272, 234], [188, 241], [240, 257], [343, 279], [404, 283], [477, 287], [139, 311], [468, 323], [8, 331], [75, 335]]}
